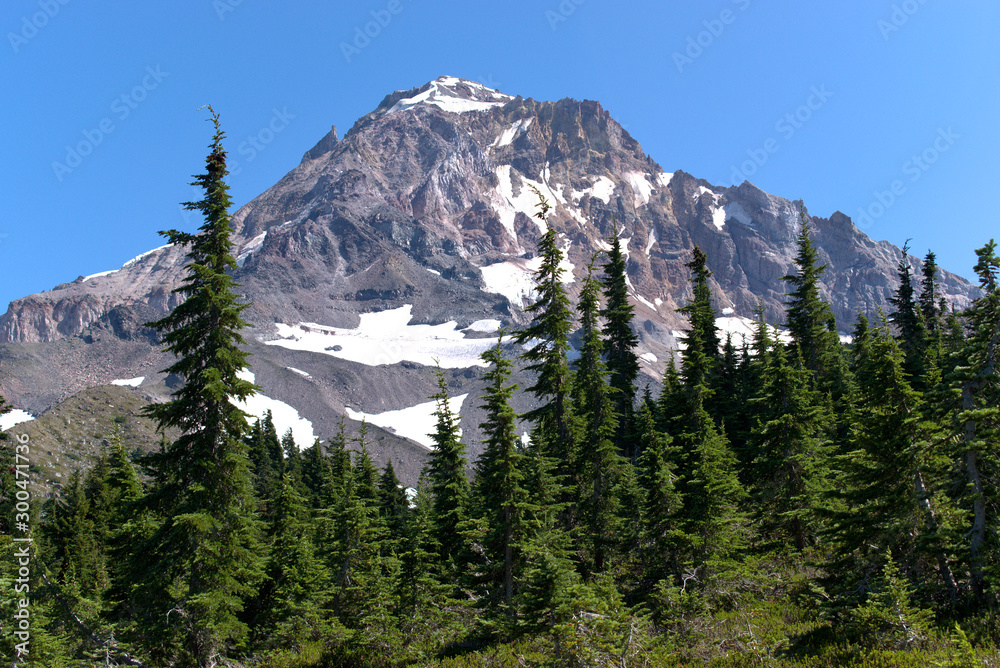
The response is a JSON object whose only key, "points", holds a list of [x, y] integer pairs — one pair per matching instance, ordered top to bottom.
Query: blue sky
{"points": [[884, 107]]}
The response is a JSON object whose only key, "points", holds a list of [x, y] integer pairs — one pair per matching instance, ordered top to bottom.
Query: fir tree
{"points": [[810, 320], [908, 321], [548, 335], [620, 341], [699, 362], [977, 423], [597, 465], [446, 472], [791, 473], [499, 494], [392, 501], [661, 501], [203, 560]]}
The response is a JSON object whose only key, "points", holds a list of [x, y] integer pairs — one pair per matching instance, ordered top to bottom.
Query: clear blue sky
{"points": [[705, 87]]}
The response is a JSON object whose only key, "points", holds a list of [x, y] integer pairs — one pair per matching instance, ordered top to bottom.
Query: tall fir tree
{"points": [[907, 318], [620, 342], [548, 357], [700, 361], [977, 426], [598, 467], [446, 472], [791, 474], [500, 499], [203, 560]]}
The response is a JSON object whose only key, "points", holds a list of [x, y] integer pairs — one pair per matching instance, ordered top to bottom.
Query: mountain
{"points": [[412, 238]]}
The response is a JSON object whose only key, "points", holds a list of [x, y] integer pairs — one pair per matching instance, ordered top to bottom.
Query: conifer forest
{"points": [[796, 499]]}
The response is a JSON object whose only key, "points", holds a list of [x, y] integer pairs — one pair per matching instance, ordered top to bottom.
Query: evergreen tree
{"points": [[930, 295], [810, 320], [908, 321], [548, 335], [620, 341], [700, 360], [977, 423], [597, 465], [791, 471], [446, 472], [317, 476], [888, 491], [499, 494], [661, 501], [393, 504], [203, 560], [289, 599]]}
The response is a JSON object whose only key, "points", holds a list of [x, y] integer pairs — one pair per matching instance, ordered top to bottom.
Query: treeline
{"points": [[789, 495]]}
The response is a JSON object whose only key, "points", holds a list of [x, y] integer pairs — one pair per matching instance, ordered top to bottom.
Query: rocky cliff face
{"points": [[415, 232]]}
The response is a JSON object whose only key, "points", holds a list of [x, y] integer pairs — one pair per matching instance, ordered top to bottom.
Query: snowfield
{"points": [[386, 337], [285, 417], [415, 423]]}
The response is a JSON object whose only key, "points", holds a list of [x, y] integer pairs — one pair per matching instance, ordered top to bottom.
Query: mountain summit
{"points": [[412, 238]]}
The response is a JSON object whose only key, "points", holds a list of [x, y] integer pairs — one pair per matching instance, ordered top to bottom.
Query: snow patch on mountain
{"points": [[445, 93], [511, 133], [663, 178], [640, 186], [601, 189], [507, 205], [651, 241], [515, 278], [486, 326], [386, 337], [302, 373], [129, 382], [14, 417], [285, 417], [415, 423]]}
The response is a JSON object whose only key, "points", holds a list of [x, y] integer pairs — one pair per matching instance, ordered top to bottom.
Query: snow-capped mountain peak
{"points": [[453, 95]]}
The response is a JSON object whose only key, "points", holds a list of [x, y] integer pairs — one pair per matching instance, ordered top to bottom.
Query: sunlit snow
{"points": [[439, 94], [513, 131], [664, 178], [640, 186], [602, 189], [652, 240], [515, 279], [487, 326], [386, 337], [649, 357], [298, 371], [129, 382], [14, 417], [285, 417], [415, 423]]}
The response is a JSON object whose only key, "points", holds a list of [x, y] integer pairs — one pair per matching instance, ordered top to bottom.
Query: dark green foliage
{"points": [[810, 320], [908, 320], [548, 334], [620, 342], [700, 360], [597, 466], [790, 469], [446, 472], [499, 497], [202, 561]]}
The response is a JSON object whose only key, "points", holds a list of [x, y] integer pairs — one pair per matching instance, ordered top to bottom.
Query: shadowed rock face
{"points": [[427, 202]]}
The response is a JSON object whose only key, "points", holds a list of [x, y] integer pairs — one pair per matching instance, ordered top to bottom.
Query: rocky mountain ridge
{"points": [[412, 238]]}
